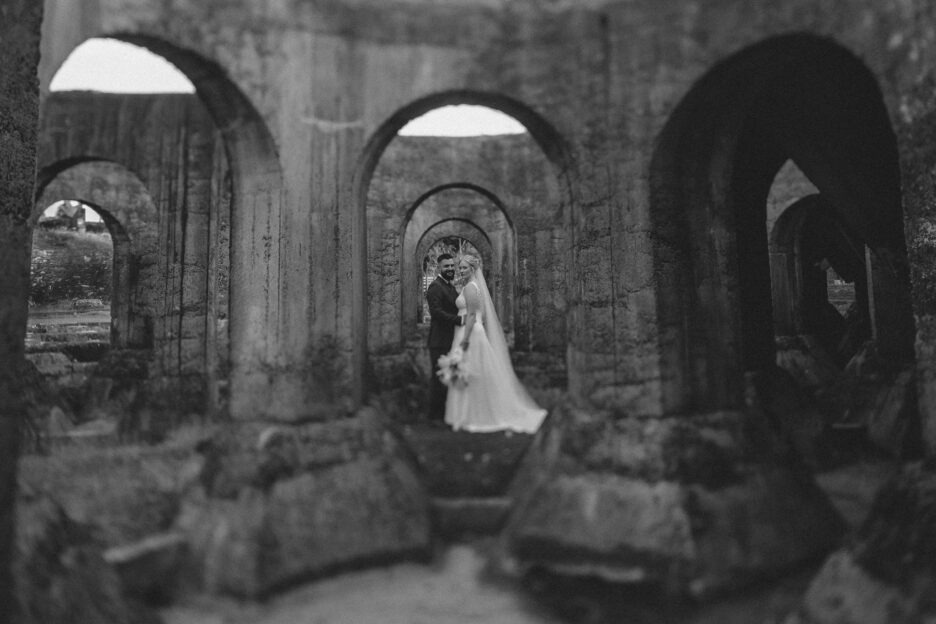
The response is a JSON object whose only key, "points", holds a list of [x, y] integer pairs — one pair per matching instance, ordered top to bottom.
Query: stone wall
{"points": [[310, 97], [19, 108], [664, 123], [915, 126], [155, 166], [520, 192], [130, 216]]}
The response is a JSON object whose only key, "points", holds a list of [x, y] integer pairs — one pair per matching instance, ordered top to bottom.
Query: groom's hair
{"points": [[444, 257]]}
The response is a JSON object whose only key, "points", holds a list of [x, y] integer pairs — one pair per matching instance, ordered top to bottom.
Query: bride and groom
{"points": [[483, 392]]}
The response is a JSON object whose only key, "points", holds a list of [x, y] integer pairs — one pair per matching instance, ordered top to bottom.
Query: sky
{"points": [[116, 67], [91, 215]]}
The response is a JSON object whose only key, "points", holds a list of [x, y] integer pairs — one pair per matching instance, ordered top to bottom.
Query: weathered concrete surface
{"points": [[372, 68], [641, 108], [19, 109], [914, 126], [154, 166], [126, 493], [280, 504], [693, 505], [61, 572], [887, 573]]}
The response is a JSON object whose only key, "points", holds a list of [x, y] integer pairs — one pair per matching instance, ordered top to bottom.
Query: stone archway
{"points": [[796, 97], [799, 98], [545, 136], [120, 198], [474, 214], [443, 229], [806, 241], [256, 337]]}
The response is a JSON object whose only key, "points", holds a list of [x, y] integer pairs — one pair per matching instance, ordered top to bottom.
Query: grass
{"points": [[70, 265]]}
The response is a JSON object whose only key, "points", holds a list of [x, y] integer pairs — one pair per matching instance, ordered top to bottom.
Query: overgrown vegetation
{"points": [[68, 265]]}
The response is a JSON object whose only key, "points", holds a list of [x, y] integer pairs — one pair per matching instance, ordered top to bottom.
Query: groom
{"points": [[441, 296]]}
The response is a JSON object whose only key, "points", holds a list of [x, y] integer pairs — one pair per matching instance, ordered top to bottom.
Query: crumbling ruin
{"points": [[689, 172]]}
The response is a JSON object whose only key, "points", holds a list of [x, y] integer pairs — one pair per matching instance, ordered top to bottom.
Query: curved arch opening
{"points": [[113, 66], [796, 97], [462, 120], [249, 178], [507, 190], [129, 214], [455, 237], [819, 281], [74, 283]]}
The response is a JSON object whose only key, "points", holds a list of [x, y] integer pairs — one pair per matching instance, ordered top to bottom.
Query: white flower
{"points": [[452, 369]]}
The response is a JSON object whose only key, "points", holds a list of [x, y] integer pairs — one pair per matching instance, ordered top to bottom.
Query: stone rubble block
{"points": [[806, 360], [51, 363], [879, 396], [792, 412], [891, 423], [706, 449], [126, 492], [696, 504], [279, 511], [353, 512], [602, 518], [149, 569], [887, 572], [61, 574], [843, 593]]}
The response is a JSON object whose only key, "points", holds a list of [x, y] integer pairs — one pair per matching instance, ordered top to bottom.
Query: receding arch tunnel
{"points": [[797, 97], [256, 196], [391, 226]]}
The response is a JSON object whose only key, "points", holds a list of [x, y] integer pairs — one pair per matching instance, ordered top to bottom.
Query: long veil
{"points": [[495, 335]]}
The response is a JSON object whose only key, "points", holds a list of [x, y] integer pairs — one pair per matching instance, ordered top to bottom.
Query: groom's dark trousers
{"points": [[443, 311]]}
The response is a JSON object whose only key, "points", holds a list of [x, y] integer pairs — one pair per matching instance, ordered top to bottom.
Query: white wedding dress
{"points": [[493, 399]]}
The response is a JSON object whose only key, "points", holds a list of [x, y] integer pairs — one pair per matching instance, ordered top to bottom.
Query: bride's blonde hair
{"points": [[473, 261]]}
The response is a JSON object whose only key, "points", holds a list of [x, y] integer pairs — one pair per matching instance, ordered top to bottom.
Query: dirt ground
{"points": [[456, 589]]}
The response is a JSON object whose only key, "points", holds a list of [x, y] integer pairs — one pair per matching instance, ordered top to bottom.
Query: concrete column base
{"points": [[280, 504], [696, 504], [887, 573]]}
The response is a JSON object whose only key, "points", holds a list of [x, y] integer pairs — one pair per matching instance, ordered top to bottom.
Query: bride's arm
{"points": [[473, 306]]}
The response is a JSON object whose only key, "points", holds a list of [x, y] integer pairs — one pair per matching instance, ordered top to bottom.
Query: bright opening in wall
{"points": [[112, 66], [462, 120], [70, 207], [72, 259], [840, 293]]}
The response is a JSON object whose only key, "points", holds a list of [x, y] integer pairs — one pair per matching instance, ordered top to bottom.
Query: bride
{"points": [[492, 398]]}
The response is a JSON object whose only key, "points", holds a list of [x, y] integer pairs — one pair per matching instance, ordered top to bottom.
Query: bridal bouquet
{"points": [[452, 369]]}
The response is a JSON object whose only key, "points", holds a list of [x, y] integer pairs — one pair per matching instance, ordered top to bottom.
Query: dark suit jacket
{"points": [[444, 313]]}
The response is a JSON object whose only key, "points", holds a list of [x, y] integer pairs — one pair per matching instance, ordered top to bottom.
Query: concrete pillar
{"points": [[19, 111], [785, 293], [889, 302]]}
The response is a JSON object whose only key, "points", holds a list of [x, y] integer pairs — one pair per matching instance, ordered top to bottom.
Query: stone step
{"points": [[466, 465], [470, 516], [150, 568]]}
